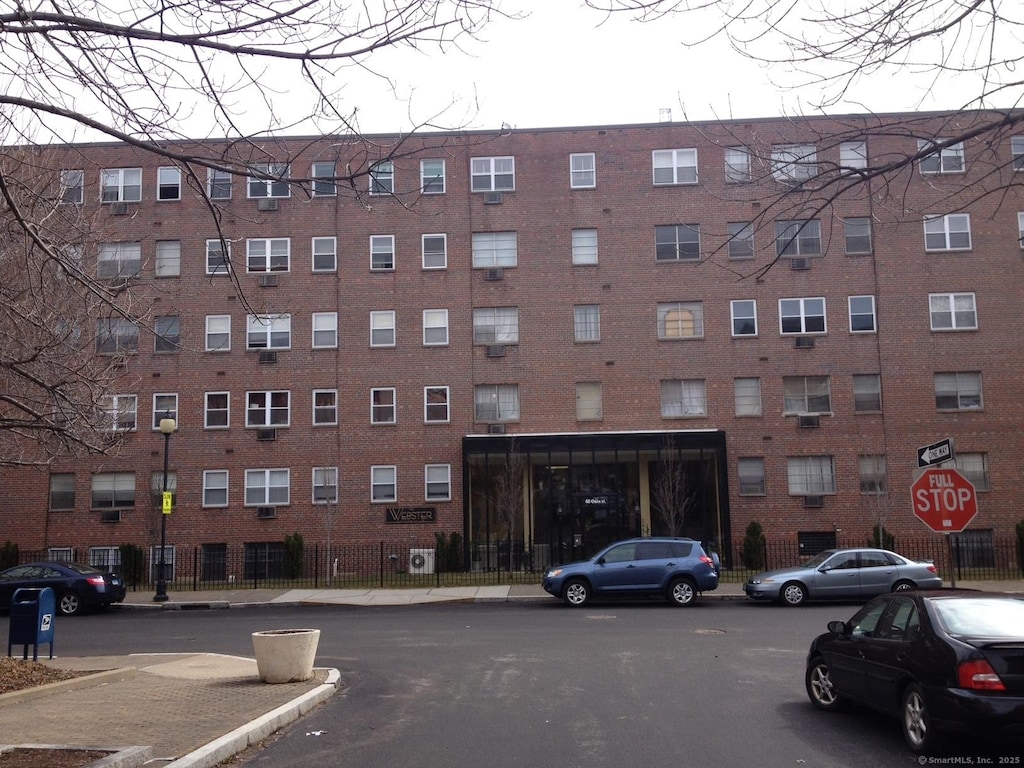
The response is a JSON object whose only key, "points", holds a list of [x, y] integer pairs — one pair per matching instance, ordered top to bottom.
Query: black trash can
{"points": [[32, 612]]}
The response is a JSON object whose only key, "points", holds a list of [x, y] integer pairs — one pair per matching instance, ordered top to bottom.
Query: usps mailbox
{"points": [[32, 612]]}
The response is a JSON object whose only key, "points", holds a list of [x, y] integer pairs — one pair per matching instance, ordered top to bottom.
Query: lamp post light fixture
{"points": [[167, 426]]}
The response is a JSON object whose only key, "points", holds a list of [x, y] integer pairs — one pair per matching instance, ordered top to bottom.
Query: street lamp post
{"points": [[167, 426]]}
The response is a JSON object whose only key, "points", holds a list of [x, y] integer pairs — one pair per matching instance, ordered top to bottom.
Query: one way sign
{"points": [[936, 453]]}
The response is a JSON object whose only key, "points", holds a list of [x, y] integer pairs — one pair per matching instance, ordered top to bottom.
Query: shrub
{"points": [[881, 538], [293, 546], [752, 552], [8, 555], [133, 564]]}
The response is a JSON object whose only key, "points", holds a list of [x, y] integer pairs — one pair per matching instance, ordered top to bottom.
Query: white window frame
{"points": [[1017, 152], [853, 155], [942, 161], [794, 163], [737, 165], [674, 167], [582, 170], [323, 173], [493, 174], [382, 178], [168, 183], [432, 183], [218, 184], [121, 185], [277, 186], [72, 187], [948, 227], [1020, 229], [862, 234], [798, 238], [741, 240], [584, 246], [321, 248], [680, 248], [495, 249], [382, 253], [268, 254], [434, 257], [167, 259], [118, 261], [217, 261], [941, 305], [865, 307], [805, 311], [743, 315], [673, 321], [587, 322], [382, 324], [496, 325], [217, 326], [435, 327], [325, 330], [268, 332], [166, 334], [116, 336], [965, 386], [746, 392], [867, 393], [806, 395], [684, 398], [589, 401], [496, 402], [165, 406], [383, 406], [325, 407], [432, 407], [268, 409], [226, 410], [121, 412], [974, 466], [871, 470], [811, 475], [438, 477], [325, 478], [752, 481], [383, 484], [264, 487], [115, 490], [105, 558]]}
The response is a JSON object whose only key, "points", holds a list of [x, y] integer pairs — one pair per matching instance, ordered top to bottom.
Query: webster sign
{"points": [[411, 515]]}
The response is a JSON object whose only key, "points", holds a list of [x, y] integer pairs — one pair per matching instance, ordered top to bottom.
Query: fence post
{"points": [[380, 564]]}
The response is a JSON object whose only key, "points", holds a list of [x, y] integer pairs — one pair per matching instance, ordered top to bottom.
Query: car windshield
{"points": [[818, 559], [982, 616]]}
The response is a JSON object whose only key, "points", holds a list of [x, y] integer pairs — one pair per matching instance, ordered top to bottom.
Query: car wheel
{"points": [[903, 586], [682, 592], [576, 593], [793, 593], [69, 604], [821, 691], [917, 726]]}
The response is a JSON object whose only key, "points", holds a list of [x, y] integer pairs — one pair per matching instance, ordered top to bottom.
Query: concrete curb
{"points": [[75, 683], [119, 757]]}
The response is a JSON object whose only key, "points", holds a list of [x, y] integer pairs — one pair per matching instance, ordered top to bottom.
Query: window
{"points": [[1017, 152], [853, 155], [944, 160], [794, 163], [737, 165], [674, 166], [582, 170], [324, 174], [493, 174], [432, 177], [382, 178], [270, 180], [168, 184], [218, 184], [121, 185], [72, 187], [1020, 229], [947, 233], [858, 235], [798, 238], [741, 240], [677, 242], [584, 246], [494, 249], [435, 251], [382, 252], [268, 254], [325, 254], [218, 257], [168, 258], [119, 260], [953, 311], [862, 314], [802, 315], [744, 317], [587, 320], [681, 320], [496, 325], [435, 327], [382, 328], [325, 330], [268, 332], [167, 333], [218, 333], [116, 335], [959, 391], [867, 393], [747, 394], [806, 394], [686, 397], [589, 398], [496, 402], [436, 404], [165, 406], [325, 407], [268, 409], [383, 409], [217, 410], [974, 466], [750, 471], [872, 474], [811, 475], [437, 480], [383, 484], [325, 485], [266, 487], [215, 488], [156, 489], [113, 490], [62, 492], [106, 558]]}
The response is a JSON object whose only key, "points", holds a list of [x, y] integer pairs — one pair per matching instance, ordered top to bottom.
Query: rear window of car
{"points": [[982, 616]]}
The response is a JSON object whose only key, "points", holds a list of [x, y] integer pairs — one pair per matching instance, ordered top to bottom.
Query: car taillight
{"points": [[707, 560], [932, 568], [96, 581], [978, 676]]}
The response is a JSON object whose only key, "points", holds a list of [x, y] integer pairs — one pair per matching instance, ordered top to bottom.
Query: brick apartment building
{"points": [[588, 301]]}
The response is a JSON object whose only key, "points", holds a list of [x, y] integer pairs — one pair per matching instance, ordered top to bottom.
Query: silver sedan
{"points": [[843, 574]]}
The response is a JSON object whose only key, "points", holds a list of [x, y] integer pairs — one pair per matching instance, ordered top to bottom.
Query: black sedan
{"points": [[76, 587], [948, 660]]}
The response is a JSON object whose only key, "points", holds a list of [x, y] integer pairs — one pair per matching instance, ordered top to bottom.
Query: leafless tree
{"points": [[509, 479], [671, 491]]}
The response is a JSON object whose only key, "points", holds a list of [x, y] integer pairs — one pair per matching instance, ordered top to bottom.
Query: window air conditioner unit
{"points": [[493, 198], [266, 204], [119, 209], [799, 264], [494, 273], [268, 281], [804, 342], [495, 350], [268, 356], [809, 421], [496, 429], [266, 434], [814, 502], [266, 513], [110, 516], [421, 561]]}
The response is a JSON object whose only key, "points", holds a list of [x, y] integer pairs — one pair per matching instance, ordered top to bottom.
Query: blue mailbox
{"points": [[32, 613]]}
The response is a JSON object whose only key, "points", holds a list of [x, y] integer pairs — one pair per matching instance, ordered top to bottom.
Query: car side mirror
{"points": [[599, 561], [837, 627]]}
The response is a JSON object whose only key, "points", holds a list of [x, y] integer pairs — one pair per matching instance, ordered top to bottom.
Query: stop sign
{"points": [[944, 500]]}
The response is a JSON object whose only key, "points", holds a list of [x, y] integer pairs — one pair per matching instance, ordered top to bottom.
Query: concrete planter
{"points": [[285, 655]]}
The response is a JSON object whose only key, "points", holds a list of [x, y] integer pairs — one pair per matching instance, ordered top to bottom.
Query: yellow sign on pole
{"points": [[167, 502]]}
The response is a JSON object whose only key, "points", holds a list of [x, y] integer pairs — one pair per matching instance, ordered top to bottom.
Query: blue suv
{"points": [[677, 569]]}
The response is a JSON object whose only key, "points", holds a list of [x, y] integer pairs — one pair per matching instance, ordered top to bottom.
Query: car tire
{"points": [[903, 586], [682, 591], [576, 593], [793, 593], [69, 604], [820, 690], [916, 721]]}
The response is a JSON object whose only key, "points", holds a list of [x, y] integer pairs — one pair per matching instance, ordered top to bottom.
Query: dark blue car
{"points": [[674, 568], [76, 587]]}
